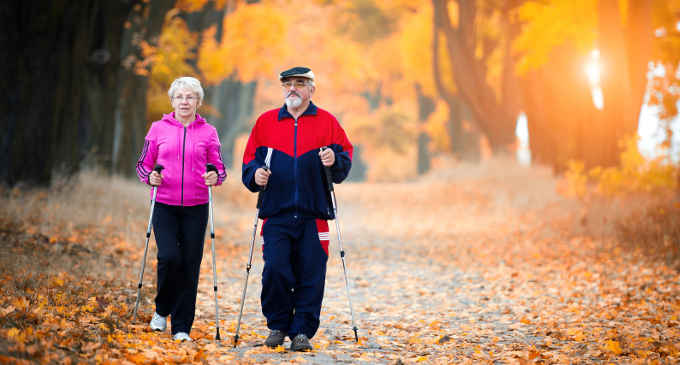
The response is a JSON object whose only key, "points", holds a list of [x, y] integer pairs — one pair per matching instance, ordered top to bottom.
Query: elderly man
{"points": [[284, 158]]}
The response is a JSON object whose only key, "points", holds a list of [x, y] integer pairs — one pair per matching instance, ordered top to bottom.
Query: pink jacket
{"points": [[183, 152]]}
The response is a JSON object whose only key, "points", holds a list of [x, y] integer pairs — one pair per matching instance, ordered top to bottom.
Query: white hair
{"points": [[187, 82]]}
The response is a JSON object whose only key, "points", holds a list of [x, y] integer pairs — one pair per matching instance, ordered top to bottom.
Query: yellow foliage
{"points": [[548, 24], [415, 43], [252, 44], [174, 51], [170, 59], [212, 61], [344, 62], [436, 127], [635, 174], [577, 181]]}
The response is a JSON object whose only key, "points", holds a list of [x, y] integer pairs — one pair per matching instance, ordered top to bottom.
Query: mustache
{"points": [[292, 93]]}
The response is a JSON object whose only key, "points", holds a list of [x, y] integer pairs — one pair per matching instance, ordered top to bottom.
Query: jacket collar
{"points": [[284, 113]]}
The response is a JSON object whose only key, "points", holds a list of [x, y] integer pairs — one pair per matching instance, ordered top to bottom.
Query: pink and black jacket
{"points": [[184, 153], [297, 183]]}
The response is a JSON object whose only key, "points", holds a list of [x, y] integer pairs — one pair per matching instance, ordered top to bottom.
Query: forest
{"points": [[471, 237]]}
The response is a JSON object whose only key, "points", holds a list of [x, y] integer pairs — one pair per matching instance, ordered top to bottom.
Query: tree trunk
{"points": [[639, 38], [67, 100], [234, 100], [60, 107], [425, 108], [560, 111], [491, 117], [618, 117], [131, 123]]}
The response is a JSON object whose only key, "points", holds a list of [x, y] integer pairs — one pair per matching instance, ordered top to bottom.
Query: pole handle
{"points": [[210, 167], [158, 168], [327, 172], [262, 189]]}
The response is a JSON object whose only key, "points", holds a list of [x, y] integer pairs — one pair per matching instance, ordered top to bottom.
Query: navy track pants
{"points": [[180, 233], [295, 253]]}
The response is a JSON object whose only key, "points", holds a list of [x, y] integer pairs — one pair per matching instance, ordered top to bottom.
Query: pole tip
{"points": [[217, 335], [356, 335], [235, 340]]}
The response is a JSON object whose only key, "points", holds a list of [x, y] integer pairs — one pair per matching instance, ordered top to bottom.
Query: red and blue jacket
{"points": [[297, 183]]}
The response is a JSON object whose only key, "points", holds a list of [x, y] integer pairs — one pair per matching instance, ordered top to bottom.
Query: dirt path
{"points": [[483, 264], [470, 270]]}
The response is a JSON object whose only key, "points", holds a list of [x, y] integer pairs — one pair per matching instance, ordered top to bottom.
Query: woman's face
{"points": [[185, 103]]}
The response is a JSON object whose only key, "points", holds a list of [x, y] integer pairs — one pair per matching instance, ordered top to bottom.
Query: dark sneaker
{"points": [[275, 338], [300, 343]]}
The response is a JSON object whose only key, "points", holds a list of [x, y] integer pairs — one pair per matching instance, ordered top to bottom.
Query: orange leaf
{"points": [[613, 346]]}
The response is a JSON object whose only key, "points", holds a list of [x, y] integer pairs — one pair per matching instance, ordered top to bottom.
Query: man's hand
{"points": [[327, 157], [262, 176], [210, 178], [155, 179]]}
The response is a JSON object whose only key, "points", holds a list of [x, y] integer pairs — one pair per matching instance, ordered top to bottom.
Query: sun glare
{"points": [[594, 68]]}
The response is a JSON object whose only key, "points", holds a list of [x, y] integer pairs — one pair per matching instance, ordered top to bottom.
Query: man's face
{"points": [[296, 91]]}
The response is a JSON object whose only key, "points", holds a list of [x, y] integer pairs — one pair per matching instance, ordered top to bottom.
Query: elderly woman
{"points": [[183, 143]]}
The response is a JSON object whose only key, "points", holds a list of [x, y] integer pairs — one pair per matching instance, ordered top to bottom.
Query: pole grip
{"points": [[210, 167], [158, 168], [327, 173], [262, 189]]}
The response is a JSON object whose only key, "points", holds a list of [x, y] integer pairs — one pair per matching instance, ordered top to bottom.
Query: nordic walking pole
{"points": [[267, 163], [210, 167], [158, 169], [327, 171], [250, 261]]}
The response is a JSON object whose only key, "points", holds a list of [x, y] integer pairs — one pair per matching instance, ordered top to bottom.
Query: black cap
{"points": [[305, 72]]}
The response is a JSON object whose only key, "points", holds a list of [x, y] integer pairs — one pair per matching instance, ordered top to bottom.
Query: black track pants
{"points": [[179, 232]]}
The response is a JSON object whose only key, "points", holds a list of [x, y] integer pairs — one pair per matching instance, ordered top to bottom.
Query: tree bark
{"points": [[59, 78], [68, 98], [491, 117], [131, 122]]}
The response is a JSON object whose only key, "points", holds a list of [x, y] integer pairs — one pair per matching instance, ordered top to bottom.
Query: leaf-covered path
{"points": [[486, 264], [473, 269]]}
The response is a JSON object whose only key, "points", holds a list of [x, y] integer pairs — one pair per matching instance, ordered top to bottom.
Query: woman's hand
{"points": [[210, 178], [155, 179]]}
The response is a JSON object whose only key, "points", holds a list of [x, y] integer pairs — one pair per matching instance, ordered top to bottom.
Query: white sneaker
{"points": [[158, 322], [181, 336]]}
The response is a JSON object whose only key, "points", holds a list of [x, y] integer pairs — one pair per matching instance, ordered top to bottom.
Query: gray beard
{"points": [[293, 102]]}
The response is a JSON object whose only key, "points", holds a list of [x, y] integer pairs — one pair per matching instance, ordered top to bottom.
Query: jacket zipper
{"points": [[184, 143], [295, 164]]}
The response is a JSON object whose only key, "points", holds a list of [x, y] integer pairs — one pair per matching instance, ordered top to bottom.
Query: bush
{"points": [[647, 188]]}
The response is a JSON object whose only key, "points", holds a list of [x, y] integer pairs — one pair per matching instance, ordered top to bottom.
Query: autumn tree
{"points": [[556, 41], [481, 63], [69, 84]]}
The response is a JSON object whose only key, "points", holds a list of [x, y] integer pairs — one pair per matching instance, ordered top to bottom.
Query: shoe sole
{"points": [[305, 349]]}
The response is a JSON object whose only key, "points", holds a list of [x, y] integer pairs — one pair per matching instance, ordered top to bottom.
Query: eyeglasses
{"points": [[298, 84], [188, 98]]}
